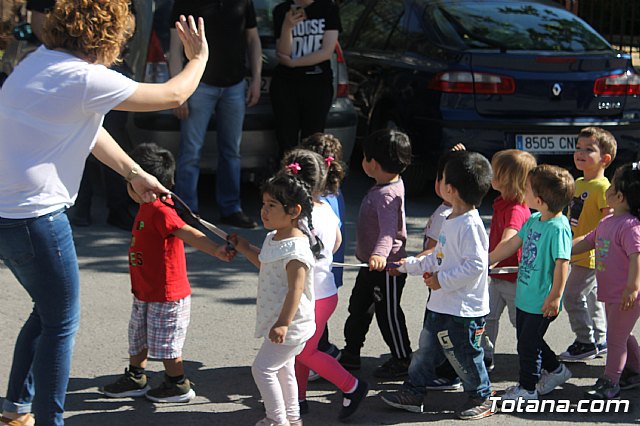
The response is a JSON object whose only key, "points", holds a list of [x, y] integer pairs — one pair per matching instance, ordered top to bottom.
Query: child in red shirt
{"points": [[161, 291]]}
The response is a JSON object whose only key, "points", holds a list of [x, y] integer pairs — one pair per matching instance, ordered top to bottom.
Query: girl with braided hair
{"points": [[312, 168], [285, 300]]}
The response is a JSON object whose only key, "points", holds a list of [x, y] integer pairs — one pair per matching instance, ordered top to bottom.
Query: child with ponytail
{"points": [[312, 169], [285, 300]]}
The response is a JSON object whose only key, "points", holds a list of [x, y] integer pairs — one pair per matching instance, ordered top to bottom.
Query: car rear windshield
{"points": [[263, 16], [512, 25]]}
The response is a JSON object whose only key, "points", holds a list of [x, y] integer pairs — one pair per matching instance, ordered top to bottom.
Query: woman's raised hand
{"points": [[193, 38]]}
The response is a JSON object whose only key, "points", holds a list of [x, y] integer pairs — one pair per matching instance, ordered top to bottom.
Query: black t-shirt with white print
{"points": [[320, 16]]}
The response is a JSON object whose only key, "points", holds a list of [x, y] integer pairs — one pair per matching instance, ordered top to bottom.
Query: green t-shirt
{"points": [[543, 242]]}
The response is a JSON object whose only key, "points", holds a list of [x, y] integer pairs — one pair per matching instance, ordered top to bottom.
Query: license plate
{"points": [[547, 144]]}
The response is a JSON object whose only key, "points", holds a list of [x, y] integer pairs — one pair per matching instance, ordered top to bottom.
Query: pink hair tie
{"points": [[328, 160], [294, 168]]}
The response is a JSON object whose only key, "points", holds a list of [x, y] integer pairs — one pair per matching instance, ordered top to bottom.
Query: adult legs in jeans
{"points": [[228, 104], [229, 118], [41, 254], [502, 294], [586, 313], [622, 345], [533, 352], [274, 373]]}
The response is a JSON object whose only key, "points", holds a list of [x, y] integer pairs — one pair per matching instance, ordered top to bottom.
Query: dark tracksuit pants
{"points": [[300, 108], [378, 289]]}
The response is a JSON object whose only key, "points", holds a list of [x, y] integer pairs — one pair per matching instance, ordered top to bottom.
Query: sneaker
{"points": [[239, 220], [602, 348], [331, 351], [579, 352], [349, 360], [489, 365], [393, 368], [629, 379], [549, 381], [442, 384], [127, 385], [604, 389], [172, 392], [514, 393], [404, 399], [352, 400], [304, 407], [476, 408], [268, 422]]}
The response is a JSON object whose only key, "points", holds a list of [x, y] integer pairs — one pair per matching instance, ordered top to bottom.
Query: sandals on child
{"points": [[27, 421]]}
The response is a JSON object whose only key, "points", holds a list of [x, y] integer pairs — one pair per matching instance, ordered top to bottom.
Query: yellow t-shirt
{"points": [[585, 212]]}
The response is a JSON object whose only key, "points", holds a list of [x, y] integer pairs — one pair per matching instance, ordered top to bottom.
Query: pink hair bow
{"points": [[328, 160], [294, 168]]}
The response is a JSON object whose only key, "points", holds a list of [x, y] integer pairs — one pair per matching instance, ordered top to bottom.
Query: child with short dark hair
{"points": [[595, 150], [380, 238], [546, 249], [456, 272], [161, 292]]}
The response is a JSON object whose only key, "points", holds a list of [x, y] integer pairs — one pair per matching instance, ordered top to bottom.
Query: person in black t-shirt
{"points": [[231, 29], [306, 33]]}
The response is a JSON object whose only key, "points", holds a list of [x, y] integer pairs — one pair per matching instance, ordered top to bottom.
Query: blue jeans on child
{"points": [[228, 103], [41, 254], [459, 340], [533, 352]]}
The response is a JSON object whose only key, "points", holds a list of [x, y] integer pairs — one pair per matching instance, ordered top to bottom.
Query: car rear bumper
{"points": [[259, 147]]}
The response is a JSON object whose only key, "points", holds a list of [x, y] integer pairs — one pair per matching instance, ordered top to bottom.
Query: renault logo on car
{"points": [[556, 89]]}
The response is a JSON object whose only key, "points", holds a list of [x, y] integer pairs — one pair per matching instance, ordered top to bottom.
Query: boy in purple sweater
{"points": [[380, 238]]}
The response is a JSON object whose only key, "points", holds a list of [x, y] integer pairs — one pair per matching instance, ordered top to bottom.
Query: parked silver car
{"points": [[259, 147]]}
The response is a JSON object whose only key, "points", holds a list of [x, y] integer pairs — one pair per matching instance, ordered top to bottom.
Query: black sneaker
{"points": [[239, 220], [579, 351], [349, 361], [489, 365], [394, 368], [629, 379], [127, 386], [172, 392], [404, 399], [352, 400], [304, 407], [476, 408]]}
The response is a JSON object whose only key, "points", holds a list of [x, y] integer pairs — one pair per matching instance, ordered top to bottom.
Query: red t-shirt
{"points": [[507, 214], [157, 263]]}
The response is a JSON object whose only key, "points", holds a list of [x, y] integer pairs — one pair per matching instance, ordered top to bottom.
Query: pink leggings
{"points": [[622, 347], [311, 358]]}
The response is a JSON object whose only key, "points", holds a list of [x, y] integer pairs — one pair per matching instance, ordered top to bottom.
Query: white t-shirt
{"points": [[51, 108], [325, 225], [434, 225], [461, 259], [273, 286]]}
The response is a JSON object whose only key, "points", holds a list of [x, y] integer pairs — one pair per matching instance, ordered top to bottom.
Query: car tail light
{"points": [[156, 70], [476, 82], [618, 85], [342, 89]]}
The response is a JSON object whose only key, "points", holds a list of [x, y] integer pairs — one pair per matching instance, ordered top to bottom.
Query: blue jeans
{"points": [[228, 103], [41, 254], [459, 340]]}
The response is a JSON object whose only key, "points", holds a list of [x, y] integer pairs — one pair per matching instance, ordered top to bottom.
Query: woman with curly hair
{"points": [[51, 112]]}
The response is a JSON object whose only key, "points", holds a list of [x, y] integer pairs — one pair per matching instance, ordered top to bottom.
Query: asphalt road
{"points": [[220, 346]]}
